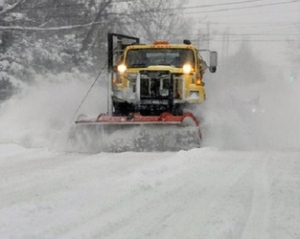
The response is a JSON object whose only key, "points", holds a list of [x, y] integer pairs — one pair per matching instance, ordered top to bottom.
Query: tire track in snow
{"points": [[39, 186], [203, 193], [180, 200], [209, 214], [254, 224]]}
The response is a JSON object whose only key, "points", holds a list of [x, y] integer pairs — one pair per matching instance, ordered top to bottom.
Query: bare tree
{"points": [[8, 6], [101, 15], [150, 19], [156, 19], [79, 27]]}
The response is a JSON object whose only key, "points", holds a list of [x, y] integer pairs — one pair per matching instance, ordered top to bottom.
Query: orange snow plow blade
{"points": [[135, 133]]}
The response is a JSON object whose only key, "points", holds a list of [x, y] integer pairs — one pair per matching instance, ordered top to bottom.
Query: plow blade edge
{"points": [[135, 133]]}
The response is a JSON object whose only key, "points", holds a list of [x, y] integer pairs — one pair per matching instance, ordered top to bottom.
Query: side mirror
{"points": [[213, 61], [212, 69]]}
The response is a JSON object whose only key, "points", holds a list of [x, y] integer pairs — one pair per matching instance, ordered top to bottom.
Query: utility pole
{"points": [[208, 34], [199, 38], [225, 44]]}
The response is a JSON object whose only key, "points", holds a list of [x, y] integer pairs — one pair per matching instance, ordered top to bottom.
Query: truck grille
{"points": [[158, 85]]}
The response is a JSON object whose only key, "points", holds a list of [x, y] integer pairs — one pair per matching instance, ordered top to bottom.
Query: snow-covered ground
{"points": [[243, 183], [202, 193]]}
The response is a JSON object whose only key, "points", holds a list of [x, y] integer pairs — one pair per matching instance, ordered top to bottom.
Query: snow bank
{"points": [[10, 149]]}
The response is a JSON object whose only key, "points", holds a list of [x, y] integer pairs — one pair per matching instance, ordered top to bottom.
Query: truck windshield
{"points": [[171, 57]]}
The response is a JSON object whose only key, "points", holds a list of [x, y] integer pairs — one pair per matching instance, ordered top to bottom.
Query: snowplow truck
{"points": [[152, 90]]}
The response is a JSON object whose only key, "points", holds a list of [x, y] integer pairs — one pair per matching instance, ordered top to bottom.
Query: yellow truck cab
{"points": [[149, 78]]}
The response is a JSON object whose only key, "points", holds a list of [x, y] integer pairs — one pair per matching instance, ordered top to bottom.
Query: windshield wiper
{"points": [[164, 64]]}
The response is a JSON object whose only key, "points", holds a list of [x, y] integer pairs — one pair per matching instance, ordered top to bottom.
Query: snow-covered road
{"points": [[244, 183], [202, 193]]}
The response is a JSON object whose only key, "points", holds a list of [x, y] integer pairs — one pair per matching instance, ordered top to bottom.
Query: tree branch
{"points": [[11, 7], [17, 28], [88, 38]]}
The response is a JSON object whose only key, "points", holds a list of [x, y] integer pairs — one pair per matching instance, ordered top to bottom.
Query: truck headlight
{"points": [[122, 68], [187, 68]]}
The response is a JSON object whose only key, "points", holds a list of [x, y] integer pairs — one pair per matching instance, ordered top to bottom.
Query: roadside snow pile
{"points": [[10, 150]]}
